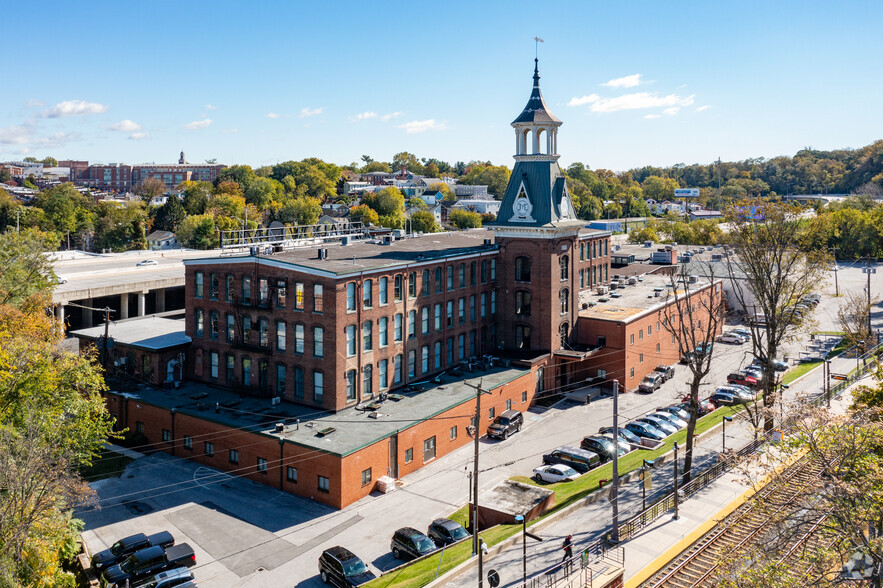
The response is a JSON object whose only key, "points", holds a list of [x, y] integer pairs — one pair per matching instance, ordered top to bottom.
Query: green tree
{"points": [[50, 160], [408, 161], [375, 166], [241, 174], [5, 176], [496, 178], [318, 179], [659, 189], [445, 190], [262, 192], [196, 196], [386, 201], [10, 210], [612, 210], [300, 211], [364, 214], [169, 215], [464, 219], [423, 221], [121, 228], [198, 232], [647, 233], [26, 271]]}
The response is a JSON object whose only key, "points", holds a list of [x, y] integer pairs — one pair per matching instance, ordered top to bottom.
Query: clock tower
{"points": [[537, 231]]}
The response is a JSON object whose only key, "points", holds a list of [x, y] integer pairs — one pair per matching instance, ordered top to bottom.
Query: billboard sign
{"points": [[687, 193]]}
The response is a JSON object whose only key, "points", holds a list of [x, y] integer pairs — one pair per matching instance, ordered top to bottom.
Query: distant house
{"points": [[463, 190], [479, 205], [705, 215], [335, 220], [158, 240]]}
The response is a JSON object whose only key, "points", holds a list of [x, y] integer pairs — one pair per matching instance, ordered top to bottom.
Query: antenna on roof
{"points": [[537, 47]]}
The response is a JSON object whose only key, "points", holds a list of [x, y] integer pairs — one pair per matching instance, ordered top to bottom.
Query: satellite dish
{"points": [[277, 231]]}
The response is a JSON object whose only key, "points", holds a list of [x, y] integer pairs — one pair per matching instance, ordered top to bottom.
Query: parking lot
{"points": [[246, 534]]}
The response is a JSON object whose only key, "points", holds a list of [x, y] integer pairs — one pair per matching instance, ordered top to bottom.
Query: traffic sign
{"points": [[839, 377], [493, 578]]}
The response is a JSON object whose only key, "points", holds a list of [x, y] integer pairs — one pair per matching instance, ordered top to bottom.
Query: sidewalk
{"points": [[660, 541]]}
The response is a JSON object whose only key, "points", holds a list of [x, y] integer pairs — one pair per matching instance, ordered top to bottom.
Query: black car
{"points": [[667, 371], [504, 425], [600, 445], [446, 531], [409, 543], [127, 546], [147, 562], [341, 567]]}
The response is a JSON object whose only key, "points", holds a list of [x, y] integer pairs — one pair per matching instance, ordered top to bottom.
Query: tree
{"points": [[50, 161], [407, 161], [375, 166], [240, 174], [5, 176], [496, 178], [319, 179], [150, 188], [659, 188], [262, 192], [196, 196], [387, 201], [10, 210], [612, 210], [300, 211], [364, 214], [169, 215], [464, 219], [422, 221], [121, 228], [198, 232], [647, 233], [26, 271], [769, 272], [694, 315], [853, 317]]}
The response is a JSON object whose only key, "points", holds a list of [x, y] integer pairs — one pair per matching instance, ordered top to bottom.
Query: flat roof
{"points": [[634, 300], [151, 332], [354, 427]]}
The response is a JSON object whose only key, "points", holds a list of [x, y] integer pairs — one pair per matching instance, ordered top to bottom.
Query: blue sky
{"points": [[636, 83]]}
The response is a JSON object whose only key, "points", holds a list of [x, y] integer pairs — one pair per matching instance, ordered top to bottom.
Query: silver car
{"points": [[669, 417]]}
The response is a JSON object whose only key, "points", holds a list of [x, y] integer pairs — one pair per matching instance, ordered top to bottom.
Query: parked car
{"points": [[147, 262], [743, 331], [731, 338], [703, 348], [687, 357], [778, 364], [667, 371], [753, 371], [743, 379], [651, 382], [736, 390], [745, 390], [724, 399], [705, 405], [676, 410], [670, 418], [505, 424], [664, 426], [646, 430], [624, 434], [603, 447], [575, 457], [555, 473], [446, 531], [409, 543], [127, 546], [147, 562], [341, 567], [174, 578]]}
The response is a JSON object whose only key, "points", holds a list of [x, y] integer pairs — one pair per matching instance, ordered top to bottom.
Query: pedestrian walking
{"points": [[567, 560]]}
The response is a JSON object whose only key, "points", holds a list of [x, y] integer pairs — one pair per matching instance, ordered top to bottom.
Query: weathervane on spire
{"points": [[537, 47]]}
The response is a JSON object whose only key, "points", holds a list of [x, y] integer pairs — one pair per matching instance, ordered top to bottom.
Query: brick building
{"points": [[123, 177], [320, 369]]}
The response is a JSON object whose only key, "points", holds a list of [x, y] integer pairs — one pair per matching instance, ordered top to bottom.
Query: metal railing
{"points": [[289, 234], [581, 569]]}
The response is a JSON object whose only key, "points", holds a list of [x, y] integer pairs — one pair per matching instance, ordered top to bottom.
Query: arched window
{"points": [[565, 267], [522, 269], [425, 286], [397, 287], [351, 296], [565, 301], [522, 303], [564, 331]]}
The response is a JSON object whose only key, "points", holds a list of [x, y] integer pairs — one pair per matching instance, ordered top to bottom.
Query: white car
{"points": [[147, 262], [731, 338], [555, 473]]}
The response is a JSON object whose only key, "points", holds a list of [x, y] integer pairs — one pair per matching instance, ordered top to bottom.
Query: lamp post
{"points": [[724, 423], [677, 516], [523, 520]]}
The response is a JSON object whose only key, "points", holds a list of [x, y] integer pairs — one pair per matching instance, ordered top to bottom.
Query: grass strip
{"points": [[108, 464], [566, 493]]}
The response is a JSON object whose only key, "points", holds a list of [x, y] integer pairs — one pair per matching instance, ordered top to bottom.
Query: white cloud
{"points": [[624, 82], [583, 100], [638, 101], [34, 103], [210, 107], [74, 108], [701, 108], [671, 111], [305, 112], [272, 115], [391, 115], [652, 115], [363, 116], [198, 124], [125, 126], [419, 126], [228, 131], [15, 135], [137, 136], [56, 140]]}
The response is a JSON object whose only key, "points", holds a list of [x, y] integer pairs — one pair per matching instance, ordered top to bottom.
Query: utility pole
{"points": [[718, 183], [869, 271], [106, 336], [615, 500], [476, 547]]}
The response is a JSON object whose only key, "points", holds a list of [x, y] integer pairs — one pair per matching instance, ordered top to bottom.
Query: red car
{"points": [[742, 379], [705, 405]]}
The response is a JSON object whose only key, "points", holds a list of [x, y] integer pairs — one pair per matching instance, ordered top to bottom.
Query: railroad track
{"points": [[699, 565]]}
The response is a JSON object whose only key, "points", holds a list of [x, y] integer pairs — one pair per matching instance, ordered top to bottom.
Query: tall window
{"points": [[565, 266], [522, 269], [493, 270], [483, 271], [461, 275], [472, 276], [450, 278], [412, 285], [439, 285], [214, 286], [397, 287], [228, 288], [383, 288], [197, 289], [424, 289], [246, 290], [263, 291], [281, 291], [368, 294], [299, 295], [351, 296], [318, 298], [565, 301], [494, 302], [522, 302], [483, 304], [472, 307], [461, 310], [450, 313], [438, 316], [424, 320], [198, 321], [412, 323], [213, 324], [397, 327], [246, 329], [383, 330], [564, 331], [263, 332], [280, 336], [522, 337], [298, 338], [367, 339], [350, 340], [318, 341], [461, 346], [450, 350], [438, 354], [424, 359], [215, 360], [412, 363], [230, 369], [397, 369], [246, 371], [383, 374], [280, 379], [367, 381], [298, 382], [351, 385], [318, 387]]}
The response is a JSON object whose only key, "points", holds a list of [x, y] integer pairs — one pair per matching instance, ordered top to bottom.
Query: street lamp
{"points": [[724, 422], [648, 464], [677, 516], [523, 520]]}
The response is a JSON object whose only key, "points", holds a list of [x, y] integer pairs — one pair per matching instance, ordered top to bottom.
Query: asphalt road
{"points": [[246, 534]]}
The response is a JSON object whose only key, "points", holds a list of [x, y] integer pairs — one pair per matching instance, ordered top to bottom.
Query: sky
{"points": [[635, 83]]}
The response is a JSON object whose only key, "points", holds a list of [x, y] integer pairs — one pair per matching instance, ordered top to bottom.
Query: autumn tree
{"points": [[150, 188], [196, 196], [364, 214], [464, 219], [422, 221], [198, 232], [768, 273], [694, 314], [853, 317]]}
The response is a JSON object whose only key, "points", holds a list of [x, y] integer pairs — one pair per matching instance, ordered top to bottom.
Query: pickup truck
{"points": [[127, 546], [147, 561]]}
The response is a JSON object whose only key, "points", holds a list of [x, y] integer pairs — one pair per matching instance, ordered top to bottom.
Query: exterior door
{"points": [[394, 456]]}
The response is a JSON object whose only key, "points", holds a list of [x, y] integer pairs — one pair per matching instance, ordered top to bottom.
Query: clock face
{"points": [[522, 207]]}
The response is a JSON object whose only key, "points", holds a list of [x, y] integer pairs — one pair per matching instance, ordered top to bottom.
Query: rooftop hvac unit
{"points": [[388, 239], [345, 240], [487, 241], [277, 248], [254, 250], [323, 253], [275, 400], [280, 427]]}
